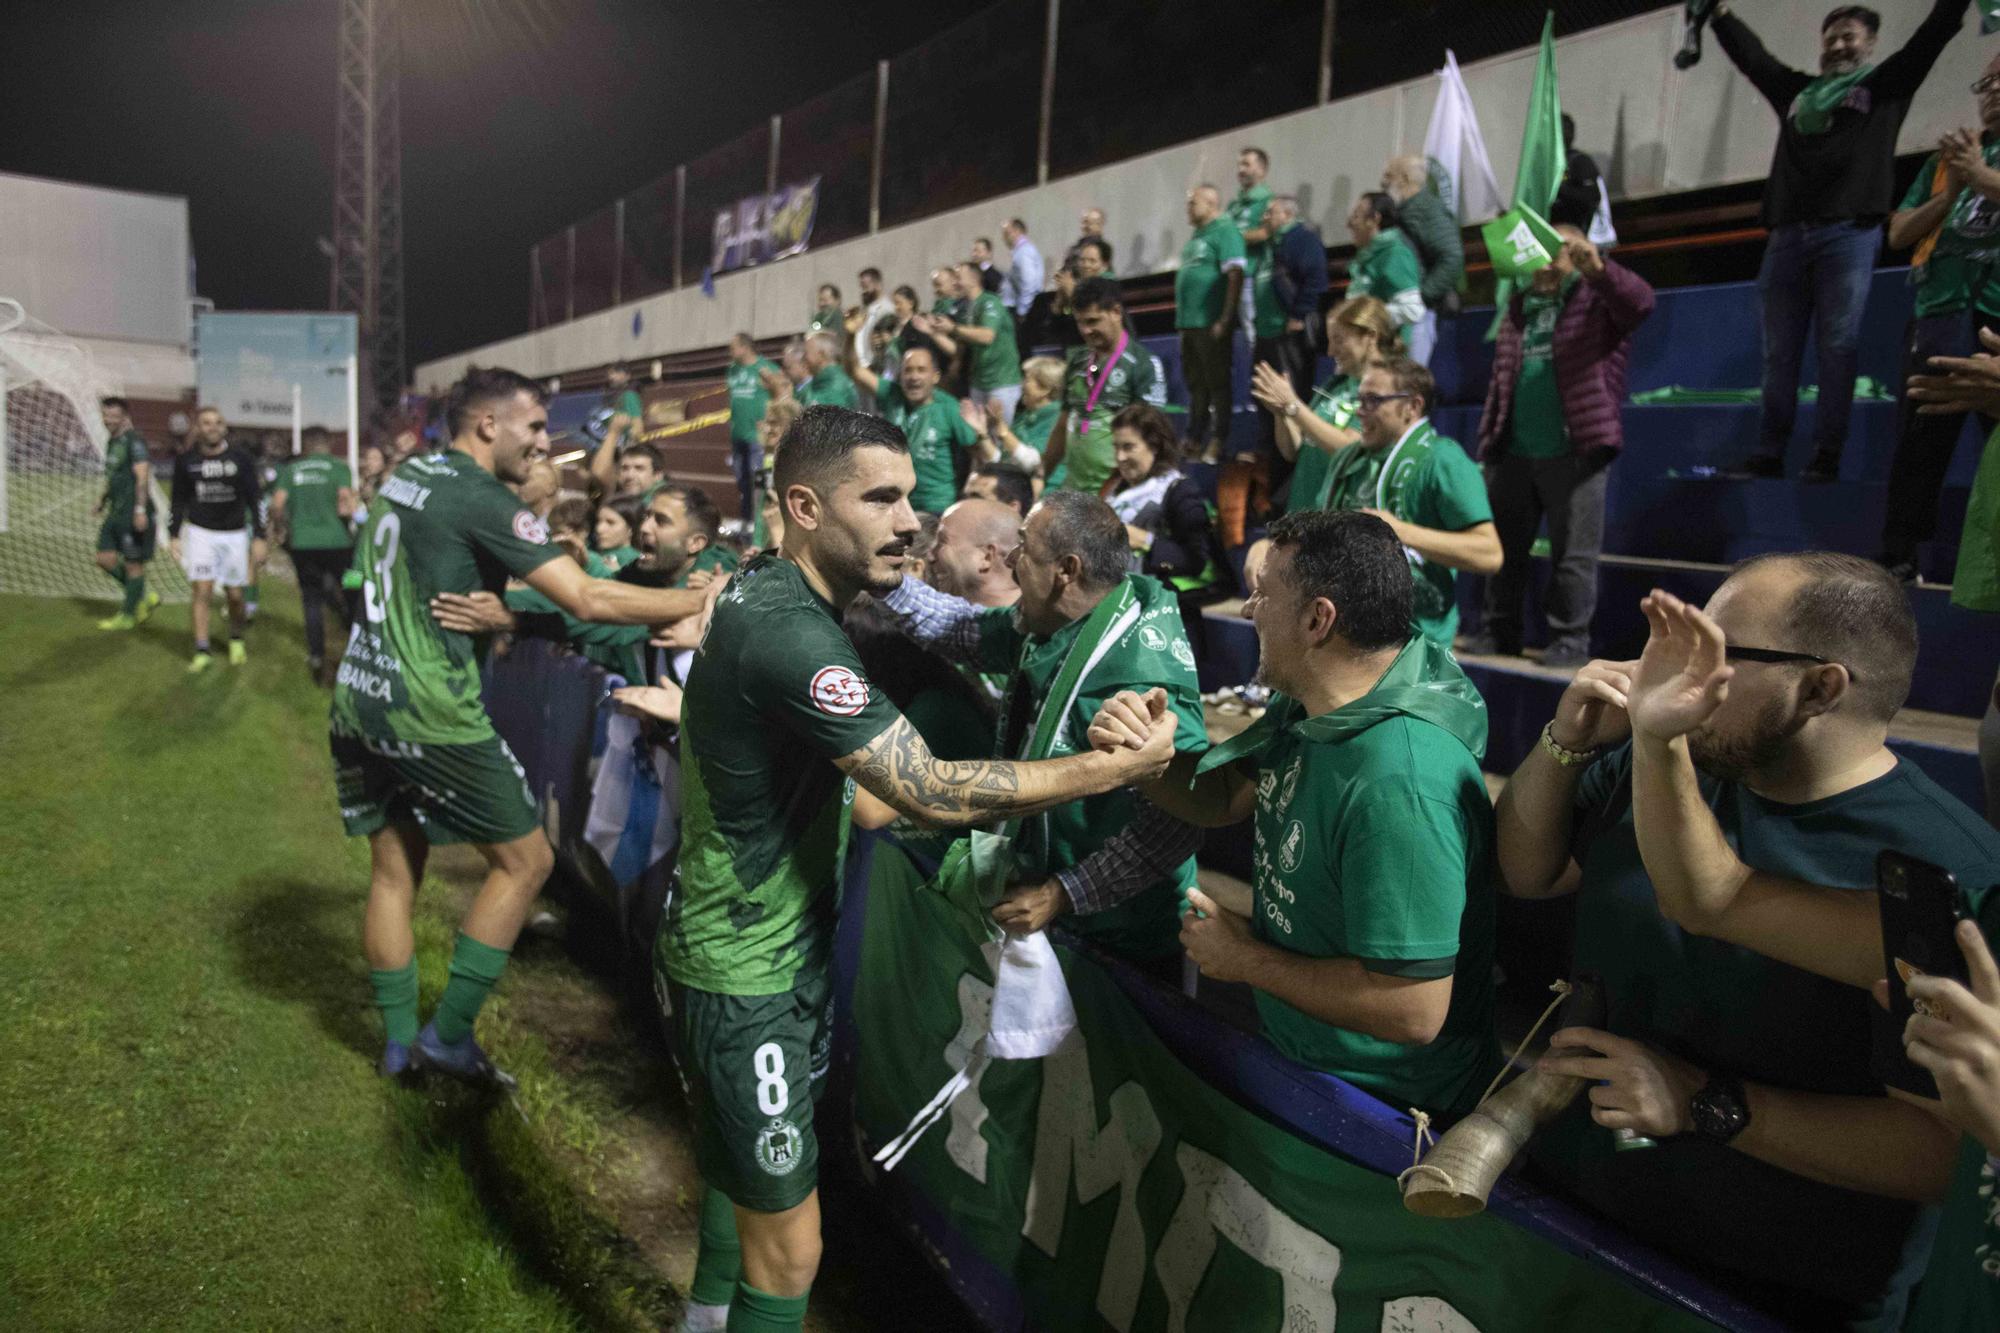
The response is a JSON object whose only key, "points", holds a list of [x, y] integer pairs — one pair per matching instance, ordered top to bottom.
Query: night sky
{"points": [[519, 117]]}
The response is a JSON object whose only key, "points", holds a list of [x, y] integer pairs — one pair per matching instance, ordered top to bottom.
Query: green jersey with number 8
{"points": [[441, 523]]}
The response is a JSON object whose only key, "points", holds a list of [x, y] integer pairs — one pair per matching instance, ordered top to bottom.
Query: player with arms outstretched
{"points": [[778, 716], [416, 759]]}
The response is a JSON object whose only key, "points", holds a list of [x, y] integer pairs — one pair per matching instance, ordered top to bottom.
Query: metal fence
{"points": [[1021, 92]]}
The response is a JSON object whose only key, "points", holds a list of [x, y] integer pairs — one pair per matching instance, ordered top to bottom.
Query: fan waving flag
{"points": [[1455, 151], [1535, 182]]}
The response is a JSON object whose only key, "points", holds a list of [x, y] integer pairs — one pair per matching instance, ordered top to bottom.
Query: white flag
{"points": [[1455, 154]]}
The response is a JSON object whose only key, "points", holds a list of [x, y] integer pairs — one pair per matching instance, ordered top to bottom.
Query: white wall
{"points": [[1653, 128], [96, 263]]}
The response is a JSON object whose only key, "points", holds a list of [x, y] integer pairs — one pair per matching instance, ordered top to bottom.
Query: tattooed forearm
{"points": [[899, 768]]}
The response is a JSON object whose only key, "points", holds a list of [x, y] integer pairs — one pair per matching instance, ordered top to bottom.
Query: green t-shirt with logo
{"points": [[1964, 267], [1199, 287], [826, 319], [997, 364], [1135, 377], [829, 385], [747, 398], [1336, 402], [1536, 428], [935, 431], [122, 453], [1426, 479], [312, 485], [440, 523], [618, 557], [1153, 650], [775, 695], [1373, 840], [1733, 1010]]}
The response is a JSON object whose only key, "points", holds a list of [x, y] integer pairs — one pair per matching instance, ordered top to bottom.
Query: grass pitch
{"points": [[191, 1132]]}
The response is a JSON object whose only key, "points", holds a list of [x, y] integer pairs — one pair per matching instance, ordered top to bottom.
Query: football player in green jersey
{"points": [[125, 539], [779, 724], [416, 758]]}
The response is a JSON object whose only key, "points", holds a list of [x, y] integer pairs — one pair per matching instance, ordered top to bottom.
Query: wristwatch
{"points": [[1292, 408], [1720, 1110]]}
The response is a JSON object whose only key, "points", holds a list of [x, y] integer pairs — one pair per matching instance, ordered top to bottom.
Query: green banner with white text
{"points": [[1115, 1188]]}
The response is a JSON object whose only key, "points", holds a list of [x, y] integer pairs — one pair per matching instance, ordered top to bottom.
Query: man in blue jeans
{"points": [[1828, 191]]}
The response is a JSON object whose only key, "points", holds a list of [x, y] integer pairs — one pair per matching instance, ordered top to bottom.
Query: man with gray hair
{"points": [[1432, 232], [826, 384], [1102, 860]]}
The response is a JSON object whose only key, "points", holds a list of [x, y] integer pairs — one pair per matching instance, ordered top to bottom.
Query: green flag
{"points": [[1542, 164], [1520, 241]]}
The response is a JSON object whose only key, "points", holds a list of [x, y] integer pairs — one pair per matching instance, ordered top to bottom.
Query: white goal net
{"points": [[52, 443]]}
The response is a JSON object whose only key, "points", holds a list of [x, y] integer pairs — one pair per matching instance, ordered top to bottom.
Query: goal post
{"points": [[52, 454]]}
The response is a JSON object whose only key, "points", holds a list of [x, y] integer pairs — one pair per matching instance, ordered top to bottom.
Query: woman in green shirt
{"points": [[1359, 332], [1022, 440], [615, 530]]}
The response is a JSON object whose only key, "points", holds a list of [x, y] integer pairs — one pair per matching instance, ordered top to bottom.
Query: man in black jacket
{"points": [[1824, 202], [1432, 231], [1288, 286]]}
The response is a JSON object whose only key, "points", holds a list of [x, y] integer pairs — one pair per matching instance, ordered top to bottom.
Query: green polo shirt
{"points": [[1246, 213], [1199, 287]]}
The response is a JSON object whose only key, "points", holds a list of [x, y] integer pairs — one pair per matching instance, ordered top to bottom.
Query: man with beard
{"points": [[1831, 183], [215, 499], [974, 538], [1068, 559], [778, 716], [416, 758], [1370, 941], [1781, 1183]]}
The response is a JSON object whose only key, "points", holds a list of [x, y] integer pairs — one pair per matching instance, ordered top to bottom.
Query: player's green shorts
{"points": [[116, 534], [454, 793], [753, 1066]]}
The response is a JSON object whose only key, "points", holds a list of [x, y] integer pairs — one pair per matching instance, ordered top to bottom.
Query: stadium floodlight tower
{"points": [[368, 190]]}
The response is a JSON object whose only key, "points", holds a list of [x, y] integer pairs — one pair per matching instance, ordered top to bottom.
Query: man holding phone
{"points": [[1678, 688], [1780, 1168]]}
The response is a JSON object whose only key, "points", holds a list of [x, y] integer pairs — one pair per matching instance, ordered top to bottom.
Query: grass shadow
{"points": [[299, 942]]}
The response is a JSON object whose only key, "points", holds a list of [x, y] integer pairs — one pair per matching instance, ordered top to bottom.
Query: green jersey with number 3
{"points": [[441, 523]]}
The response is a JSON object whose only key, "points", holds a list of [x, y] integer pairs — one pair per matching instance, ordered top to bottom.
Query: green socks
{"points": [[135, 593], [475, 967], [396, 997], [718, 1264], [754, 1311]]}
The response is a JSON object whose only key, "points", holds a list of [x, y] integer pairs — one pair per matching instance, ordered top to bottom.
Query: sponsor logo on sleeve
{"points": [[529, 528], [838, 692]]}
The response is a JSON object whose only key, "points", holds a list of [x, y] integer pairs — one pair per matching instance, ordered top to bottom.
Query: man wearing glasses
{"points": [[1952, 217], [1423, 486], [1775, 1164]]}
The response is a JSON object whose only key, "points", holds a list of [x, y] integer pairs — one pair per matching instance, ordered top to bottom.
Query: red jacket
{"points": [[1593, 341]]}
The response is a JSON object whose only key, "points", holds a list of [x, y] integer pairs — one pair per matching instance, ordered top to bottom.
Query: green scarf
{"points": [[1812, 109], [1423, 682]]}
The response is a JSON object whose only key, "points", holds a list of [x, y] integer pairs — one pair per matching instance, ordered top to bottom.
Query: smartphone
{"points": [[1921, 907]]}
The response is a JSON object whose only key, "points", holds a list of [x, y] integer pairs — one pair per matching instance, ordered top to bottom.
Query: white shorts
{"points": [[216, 557]]}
